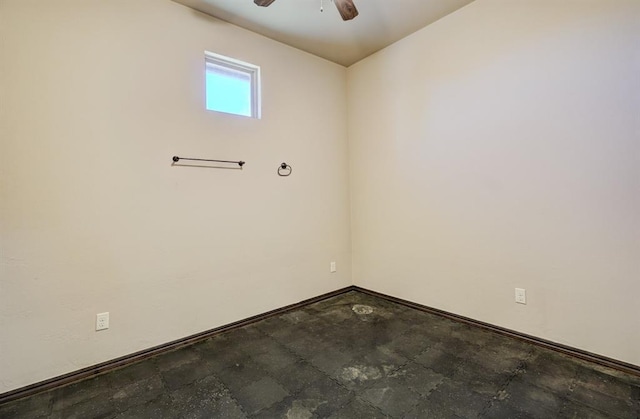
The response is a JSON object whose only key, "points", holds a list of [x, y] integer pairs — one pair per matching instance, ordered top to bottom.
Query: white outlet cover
{"points": [[333, 267], [521, 296], [102, 321]]}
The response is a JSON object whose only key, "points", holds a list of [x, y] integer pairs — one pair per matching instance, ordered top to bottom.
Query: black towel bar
{"points": [[239, 163]]}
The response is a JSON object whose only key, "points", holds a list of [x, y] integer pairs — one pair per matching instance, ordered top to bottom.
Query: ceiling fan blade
{"points": [[264, 3], [346, 8]]}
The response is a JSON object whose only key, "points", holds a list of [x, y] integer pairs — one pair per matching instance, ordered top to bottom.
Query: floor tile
{"points": [[351, 356], [439, 359], [299, 376], [97, 388], [260, 394], [391, 397], [206, 398], [454, 399], [537, 401], [39, 405], [358, 409], [579, 411]]}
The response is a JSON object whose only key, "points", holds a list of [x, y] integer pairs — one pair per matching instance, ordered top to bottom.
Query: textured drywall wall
{"points": [[96, 97], [500, 148]]}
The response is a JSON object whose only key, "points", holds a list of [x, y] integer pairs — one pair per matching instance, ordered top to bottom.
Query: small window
{"points": [[232, 86]]}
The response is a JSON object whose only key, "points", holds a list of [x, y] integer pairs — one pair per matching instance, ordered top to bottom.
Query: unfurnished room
{"points": [[320, 209]]}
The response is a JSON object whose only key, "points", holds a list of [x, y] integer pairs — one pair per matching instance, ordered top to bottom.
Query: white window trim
{"points": [[252, 70]]}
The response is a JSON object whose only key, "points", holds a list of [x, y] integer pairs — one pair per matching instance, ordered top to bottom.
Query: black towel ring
{"points": [[284, 170]]}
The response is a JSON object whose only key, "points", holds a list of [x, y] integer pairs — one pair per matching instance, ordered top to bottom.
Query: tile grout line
{"points": [[508, 380]]}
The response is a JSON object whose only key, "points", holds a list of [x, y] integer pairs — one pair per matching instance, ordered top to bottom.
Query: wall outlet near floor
{"points": [[333, 267], [521, 296], [102, 321]]}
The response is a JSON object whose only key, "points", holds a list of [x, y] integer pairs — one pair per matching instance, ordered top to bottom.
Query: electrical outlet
{"points": [[333, 267], [521, 296], [102, 321]]}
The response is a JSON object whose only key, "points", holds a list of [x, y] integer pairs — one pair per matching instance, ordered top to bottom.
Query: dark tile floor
{"points": [[351, 356]]}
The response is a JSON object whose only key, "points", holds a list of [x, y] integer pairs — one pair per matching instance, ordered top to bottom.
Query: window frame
{"points": [[252, 70]]}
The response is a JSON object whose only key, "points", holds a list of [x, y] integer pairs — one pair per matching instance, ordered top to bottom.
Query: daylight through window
{"points": [[232, 86]]}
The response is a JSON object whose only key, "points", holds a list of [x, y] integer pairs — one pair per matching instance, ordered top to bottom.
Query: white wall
{"points": [[97, 96], [500, 148]]}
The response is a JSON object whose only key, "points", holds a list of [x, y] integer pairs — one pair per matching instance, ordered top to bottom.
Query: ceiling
{"points": [[300, 23]]}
